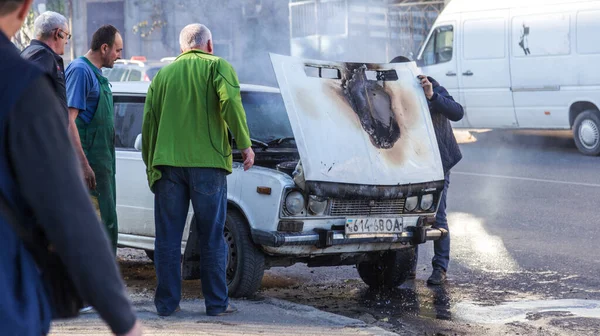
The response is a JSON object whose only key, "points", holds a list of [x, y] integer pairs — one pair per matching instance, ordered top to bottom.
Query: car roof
{"points": [[141, 88]]}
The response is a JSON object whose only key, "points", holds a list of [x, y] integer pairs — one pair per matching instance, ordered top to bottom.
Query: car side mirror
{"points": [[138, 143]]}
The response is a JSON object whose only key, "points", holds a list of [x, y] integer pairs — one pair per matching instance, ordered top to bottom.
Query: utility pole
{"points": [[71, 46]]}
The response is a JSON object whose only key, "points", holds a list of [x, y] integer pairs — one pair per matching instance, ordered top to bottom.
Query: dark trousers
{"points": [[207, 190], [441, 247]]}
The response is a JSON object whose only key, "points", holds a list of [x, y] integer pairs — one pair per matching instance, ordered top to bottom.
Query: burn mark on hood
{"points": [[372, 104]]}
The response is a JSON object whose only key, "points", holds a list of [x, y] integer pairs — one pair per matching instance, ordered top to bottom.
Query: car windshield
{"points": [[114, 74], [266, 116]]}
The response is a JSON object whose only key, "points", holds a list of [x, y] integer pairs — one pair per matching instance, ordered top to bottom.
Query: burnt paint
{"points": [[373, 105]]}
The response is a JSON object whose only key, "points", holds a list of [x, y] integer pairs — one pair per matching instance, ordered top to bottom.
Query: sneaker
{"points": [[438, 277], [86, 309], [178, 309], [230, 310]]}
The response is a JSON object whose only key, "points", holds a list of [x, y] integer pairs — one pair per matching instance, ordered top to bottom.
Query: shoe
{"points": [[412, 275], [438, 277], [86, 309], [178, 309], [230, 310]]}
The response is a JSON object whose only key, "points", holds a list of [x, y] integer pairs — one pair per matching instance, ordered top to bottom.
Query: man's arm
{"points": [[77, 88], [228, 89], [440, 100], [443, 103], [148, 126], [47, 174]]}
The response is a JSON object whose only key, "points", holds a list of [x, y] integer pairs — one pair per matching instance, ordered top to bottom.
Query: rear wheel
{"points": [[586, 132], [150, 254], [245, 262], [387, 270]]}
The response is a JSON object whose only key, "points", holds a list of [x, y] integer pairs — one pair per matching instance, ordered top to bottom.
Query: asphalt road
{"points": [[524, 216]]}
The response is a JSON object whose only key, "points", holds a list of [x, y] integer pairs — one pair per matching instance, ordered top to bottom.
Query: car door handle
{"points": [[468, 73], [450, 74]]}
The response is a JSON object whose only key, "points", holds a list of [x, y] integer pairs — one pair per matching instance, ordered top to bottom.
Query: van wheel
{"points": [[586, 132], [245, 262], [387, 270]]}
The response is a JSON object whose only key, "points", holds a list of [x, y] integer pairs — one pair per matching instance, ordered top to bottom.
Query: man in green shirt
{"points": [[190, 105]]}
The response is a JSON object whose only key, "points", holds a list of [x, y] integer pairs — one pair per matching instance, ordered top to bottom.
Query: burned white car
{"points": [[347, 171]]}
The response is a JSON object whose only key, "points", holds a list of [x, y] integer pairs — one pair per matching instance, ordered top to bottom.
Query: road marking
{"points": [[593, 185]]}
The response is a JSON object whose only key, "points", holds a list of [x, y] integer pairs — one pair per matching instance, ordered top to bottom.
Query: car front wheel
{"points": [[245, 262], [387, 270]]}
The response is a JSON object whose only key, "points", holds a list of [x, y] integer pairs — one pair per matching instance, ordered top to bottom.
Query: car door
{"points": [[439, 58], [484, 69], [135, 201]]}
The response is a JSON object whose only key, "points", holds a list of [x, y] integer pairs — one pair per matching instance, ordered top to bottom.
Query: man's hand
{"points": [[427, 86], [248, 156], [89, 176], [135, 331]]}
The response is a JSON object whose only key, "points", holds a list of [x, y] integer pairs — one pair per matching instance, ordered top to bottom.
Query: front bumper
{"points": [[326, 238]]}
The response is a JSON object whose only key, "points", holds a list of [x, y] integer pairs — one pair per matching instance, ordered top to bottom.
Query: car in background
{"points": [[135, 70]]}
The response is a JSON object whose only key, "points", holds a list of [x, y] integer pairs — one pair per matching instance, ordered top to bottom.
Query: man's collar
{"points": [[43, 44]]}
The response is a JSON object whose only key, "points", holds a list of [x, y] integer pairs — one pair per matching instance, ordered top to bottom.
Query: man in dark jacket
{"points": [[52, 35], [443, 109], [37, 166]]}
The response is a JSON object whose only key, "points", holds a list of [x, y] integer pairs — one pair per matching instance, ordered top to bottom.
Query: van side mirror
{"points": [[138, 143]]}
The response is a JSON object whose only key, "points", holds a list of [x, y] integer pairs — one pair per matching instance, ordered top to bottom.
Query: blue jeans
{"points": [[207, 189], [441, 247]]}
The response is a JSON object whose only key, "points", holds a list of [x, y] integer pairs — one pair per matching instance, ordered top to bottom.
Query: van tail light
{"points": [[146, 78]]}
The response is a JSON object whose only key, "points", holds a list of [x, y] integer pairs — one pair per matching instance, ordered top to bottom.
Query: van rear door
{"points": [[484, 69]]}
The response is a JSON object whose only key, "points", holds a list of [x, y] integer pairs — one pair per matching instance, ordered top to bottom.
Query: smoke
{"points": [[246, 31]]}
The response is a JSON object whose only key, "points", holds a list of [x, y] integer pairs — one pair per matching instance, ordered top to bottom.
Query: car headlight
{"points": [[426, 202], [294, 203], [412, 203], [316, 207]]}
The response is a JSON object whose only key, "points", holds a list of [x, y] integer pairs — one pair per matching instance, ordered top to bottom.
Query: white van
{"points": [[528, 64]]}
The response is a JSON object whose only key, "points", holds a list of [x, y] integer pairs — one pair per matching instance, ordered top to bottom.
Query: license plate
{"points": [[374, 226]]}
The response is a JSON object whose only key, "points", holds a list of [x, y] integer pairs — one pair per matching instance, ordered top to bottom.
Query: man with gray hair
{"points": [[51, 31], [190, 106]]}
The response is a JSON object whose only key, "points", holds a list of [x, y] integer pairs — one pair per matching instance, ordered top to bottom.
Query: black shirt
{"points": [[40, 53], [49, 179]]}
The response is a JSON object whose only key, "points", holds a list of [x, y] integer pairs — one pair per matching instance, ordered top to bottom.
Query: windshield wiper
{"points": [[279, 141], [259, 143]]}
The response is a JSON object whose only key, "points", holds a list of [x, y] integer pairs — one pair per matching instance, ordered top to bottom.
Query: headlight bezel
{"points": [[430, 199], [314, 201], [416, 203], [301, 208]]}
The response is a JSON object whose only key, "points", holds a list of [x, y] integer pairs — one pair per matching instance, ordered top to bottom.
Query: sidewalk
{"points": [[268, 317]]}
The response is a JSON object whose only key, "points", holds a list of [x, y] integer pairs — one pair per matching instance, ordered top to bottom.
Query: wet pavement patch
{"points": [[526, 310]]}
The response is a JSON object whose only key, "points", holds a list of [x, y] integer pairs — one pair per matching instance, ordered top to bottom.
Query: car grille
{"points": [[367, 207]]}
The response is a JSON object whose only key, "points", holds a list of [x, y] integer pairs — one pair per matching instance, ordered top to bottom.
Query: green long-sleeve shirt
{"points": [[189, 106]]}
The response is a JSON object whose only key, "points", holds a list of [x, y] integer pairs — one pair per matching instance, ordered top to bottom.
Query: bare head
{"points": [[12, 15], [52, 29], [196, 37], [107, 45]]}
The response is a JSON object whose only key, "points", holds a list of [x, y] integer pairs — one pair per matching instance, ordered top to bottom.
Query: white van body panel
{"points": [[519, 63]]}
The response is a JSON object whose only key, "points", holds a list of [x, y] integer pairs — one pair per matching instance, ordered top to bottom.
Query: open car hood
{"points": [[363, 126]]}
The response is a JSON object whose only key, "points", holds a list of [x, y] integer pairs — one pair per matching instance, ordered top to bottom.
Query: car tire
{"points": [[586, 132], [150, 254], [245, 262], [387, 270]]}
